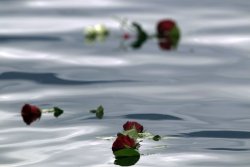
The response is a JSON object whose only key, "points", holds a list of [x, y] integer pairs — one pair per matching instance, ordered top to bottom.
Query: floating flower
{"points": [[164, 26], [168, 34], [30, 113], [130, 125], [123, 142], [126, 146]]}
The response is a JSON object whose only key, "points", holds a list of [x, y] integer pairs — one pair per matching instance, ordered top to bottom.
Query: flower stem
{"points": [[152, 36], [50, 110], [56, 110]]}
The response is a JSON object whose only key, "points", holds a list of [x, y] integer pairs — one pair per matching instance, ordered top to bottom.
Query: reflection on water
{"points": [[21, 38], [50, 78], [197, 95], [152, 116], [220, 134], [229, 149]]}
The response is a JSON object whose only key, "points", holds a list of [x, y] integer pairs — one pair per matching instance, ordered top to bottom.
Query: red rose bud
{"points": [[165, 26], [168, 34], [165, 45], [30, 113], [130, 125], [122, 142]]}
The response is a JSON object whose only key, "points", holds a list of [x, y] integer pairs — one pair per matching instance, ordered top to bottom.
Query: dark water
{"points": [[197, 96]]}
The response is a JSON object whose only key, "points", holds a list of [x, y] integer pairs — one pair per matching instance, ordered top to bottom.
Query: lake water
{"points": [[197, 96]]}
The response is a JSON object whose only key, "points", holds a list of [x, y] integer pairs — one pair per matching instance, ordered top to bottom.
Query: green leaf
{"points": [[90, 33], [142, 36], [175, 36], [100, 108], [57, 112], [100, 112], [132, 133], [157, 138], [127, 152], [127, 161]]}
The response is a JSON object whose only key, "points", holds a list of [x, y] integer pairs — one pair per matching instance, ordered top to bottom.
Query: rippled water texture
{"points": [[198, 96]]}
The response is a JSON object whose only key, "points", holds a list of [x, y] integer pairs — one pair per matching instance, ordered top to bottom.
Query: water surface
{"points": [[198, 96]]}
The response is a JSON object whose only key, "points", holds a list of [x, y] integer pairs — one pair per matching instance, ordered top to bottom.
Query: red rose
{"points": [[165, 26], [168, 34], [165, 44], [30, 113], [130, 125], [122, 142]]}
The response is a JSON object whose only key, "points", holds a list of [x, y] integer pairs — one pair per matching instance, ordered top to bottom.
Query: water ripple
{"points": [[8, 38], [46, 58], [51, 78], [203, 86], [152, 116], [74, 132], [220, 134], [229, 149]]}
